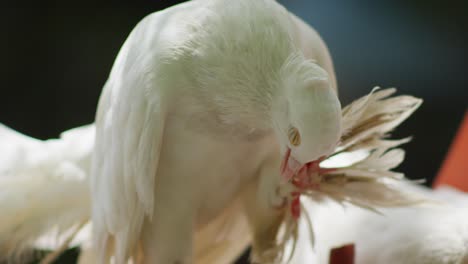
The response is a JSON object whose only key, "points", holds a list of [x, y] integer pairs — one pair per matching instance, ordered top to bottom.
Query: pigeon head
{"points": [[308, 119]]}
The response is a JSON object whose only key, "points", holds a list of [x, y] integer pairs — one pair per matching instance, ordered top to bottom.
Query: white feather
{"points": [[190, 83], [43, 186]]}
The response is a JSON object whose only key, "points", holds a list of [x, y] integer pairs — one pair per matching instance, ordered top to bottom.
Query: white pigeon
{"points": [[203, 101]]}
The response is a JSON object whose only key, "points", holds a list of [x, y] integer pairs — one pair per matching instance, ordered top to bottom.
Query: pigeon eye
{"points": [[294, 136]]}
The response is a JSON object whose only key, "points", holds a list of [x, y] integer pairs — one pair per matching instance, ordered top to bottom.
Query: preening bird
{"points": [[204, 98], [203, 102], [215, 113]]}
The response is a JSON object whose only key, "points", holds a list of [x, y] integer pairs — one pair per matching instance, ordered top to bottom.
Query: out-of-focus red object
{"points": [[454, 171], [342, 255]]}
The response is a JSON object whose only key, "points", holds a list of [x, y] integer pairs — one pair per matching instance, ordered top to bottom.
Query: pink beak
{"points": [[289, 165]]}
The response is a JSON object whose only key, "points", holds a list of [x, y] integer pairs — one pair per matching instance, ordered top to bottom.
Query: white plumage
{"points": [[204, 94], [198, 104], [184, 158], [43, 186]]}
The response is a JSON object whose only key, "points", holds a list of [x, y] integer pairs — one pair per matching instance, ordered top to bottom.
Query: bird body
{"points": [[198, 105], [192, 125]]}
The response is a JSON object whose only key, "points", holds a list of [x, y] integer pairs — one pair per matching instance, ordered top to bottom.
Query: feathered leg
{"points": [[262, 205], [168, 237]]}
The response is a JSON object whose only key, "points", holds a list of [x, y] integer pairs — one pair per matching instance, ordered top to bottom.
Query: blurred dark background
{"points": [[56, 56]]}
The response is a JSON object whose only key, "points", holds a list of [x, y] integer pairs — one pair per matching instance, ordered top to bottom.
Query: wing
{"points": [[129, 132]]}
